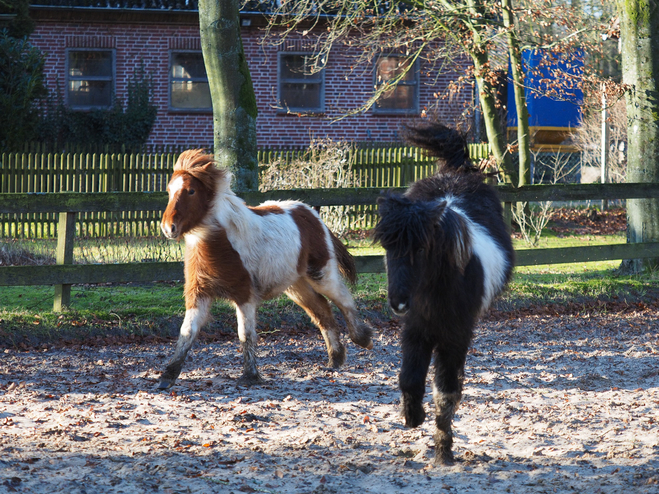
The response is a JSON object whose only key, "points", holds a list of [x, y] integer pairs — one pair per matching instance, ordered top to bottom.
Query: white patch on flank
{"points": [[174, 186], [269, 246], [491, 256]]}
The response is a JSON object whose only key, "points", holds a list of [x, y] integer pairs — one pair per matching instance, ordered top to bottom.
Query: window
{"points": [[90, 78], [189, 88], [299, 89], [404, 98]]}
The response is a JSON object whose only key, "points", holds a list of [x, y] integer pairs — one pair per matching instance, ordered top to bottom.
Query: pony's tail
{"points": [[448, 145], [345, 260]]}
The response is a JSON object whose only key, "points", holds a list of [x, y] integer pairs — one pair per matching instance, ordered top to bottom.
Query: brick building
{"points": [[91, 52]]}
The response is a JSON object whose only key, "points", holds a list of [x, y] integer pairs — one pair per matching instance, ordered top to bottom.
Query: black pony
{"points": [[448, 255]]}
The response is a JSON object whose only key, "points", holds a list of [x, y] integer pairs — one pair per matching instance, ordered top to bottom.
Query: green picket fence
{"points": [[50, 172], [83, 172]]}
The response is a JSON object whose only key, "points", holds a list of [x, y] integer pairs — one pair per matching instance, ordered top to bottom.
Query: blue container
{"points": [[545, 111]]}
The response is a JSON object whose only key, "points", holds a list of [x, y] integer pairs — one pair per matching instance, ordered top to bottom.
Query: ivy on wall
{"points": [[21, 84], [126, 126]]}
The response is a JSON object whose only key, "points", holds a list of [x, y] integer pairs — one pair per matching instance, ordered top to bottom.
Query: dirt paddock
{"points": [[551, 404]]}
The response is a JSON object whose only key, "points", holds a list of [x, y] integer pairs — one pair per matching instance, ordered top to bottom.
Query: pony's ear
{"points": [[388, 196], [391, 201], [383, 203], [440, 207]]}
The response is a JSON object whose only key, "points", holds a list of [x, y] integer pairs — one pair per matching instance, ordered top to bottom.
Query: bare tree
{"points": [[440, 32], [443, 32], [588, 136]]}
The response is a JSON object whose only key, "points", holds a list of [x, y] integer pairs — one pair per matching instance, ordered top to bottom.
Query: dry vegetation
{"points": [[588, 136], [327, 165]]}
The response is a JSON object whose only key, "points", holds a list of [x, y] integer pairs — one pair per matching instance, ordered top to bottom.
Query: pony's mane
{"points": [[201, 165], [405, 225]]}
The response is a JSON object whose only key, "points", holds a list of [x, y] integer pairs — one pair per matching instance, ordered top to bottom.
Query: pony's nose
{"points": [[168, 229], [400, 307]]}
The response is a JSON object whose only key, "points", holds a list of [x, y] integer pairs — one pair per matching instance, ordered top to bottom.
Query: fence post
{"points": [[65, 234]]}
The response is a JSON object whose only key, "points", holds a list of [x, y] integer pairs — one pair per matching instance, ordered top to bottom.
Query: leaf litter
{"points": [[552, 402]]}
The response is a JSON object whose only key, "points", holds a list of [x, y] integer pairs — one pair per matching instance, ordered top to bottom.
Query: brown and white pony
{"points": [[250, 254]]}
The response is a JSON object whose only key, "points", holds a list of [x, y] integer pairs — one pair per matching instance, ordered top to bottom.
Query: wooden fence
{"points": [[107, 172], [68, 205]]}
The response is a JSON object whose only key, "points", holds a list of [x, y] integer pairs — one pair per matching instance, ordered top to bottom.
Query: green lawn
{"points": [[157, 308]]}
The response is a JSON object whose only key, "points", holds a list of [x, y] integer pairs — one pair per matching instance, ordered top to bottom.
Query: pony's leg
{"points": [[333, 288], [320, 313], [246, 314], [195, 317], [417, 353], [447, 392]]}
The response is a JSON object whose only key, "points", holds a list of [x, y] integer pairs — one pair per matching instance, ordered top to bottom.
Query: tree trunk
{"points": [[639, 25], [517, 73], [232, 93], [495, 132]]}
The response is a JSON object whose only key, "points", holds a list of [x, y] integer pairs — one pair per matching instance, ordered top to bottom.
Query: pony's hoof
{"points": [[363, 337], [336, 359], [249, 381], [164, 384], [414, 414], [444, 457]]}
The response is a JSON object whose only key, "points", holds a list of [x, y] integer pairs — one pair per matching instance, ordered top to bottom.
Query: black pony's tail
{"points": [[448, 145]]}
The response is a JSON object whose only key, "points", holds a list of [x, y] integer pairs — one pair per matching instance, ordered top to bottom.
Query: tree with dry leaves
{"points": [[489, 33]]}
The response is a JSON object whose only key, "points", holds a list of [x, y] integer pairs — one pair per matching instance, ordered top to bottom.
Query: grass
{"points": [[94, 250], [26, 315]]}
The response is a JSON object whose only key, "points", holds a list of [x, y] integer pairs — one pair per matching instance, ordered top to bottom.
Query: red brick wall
{"points": [[138, 38]]}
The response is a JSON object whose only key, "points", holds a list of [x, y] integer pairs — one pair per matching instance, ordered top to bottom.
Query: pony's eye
{"points": [[191, 192]]}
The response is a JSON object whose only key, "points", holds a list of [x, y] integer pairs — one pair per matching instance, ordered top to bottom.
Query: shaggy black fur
{"points": [[437, 280]]}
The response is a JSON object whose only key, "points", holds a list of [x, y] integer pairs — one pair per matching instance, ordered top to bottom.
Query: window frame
{"points": [[112, 78], [171, 79], [320, 79], [415, 83]]}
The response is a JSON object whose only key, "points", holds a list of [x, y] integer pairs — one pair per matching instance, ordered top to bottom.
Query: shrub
{"points": [[21, 84], [117, 126], [589, 137], [327, 164]]}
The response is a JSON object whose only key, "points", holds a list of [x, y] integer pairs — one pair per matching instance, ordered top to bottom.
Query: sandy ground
{"points": [[551, 404]]}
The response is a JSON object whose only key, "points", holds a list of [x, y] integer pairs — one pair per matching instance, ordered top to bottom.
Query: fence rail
{"points": [[124, 201], [67, 205]]}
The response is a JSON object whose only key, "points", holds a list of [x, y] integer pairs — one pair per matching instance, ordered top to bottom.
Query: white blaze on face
{"points": [[174, 186]]}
